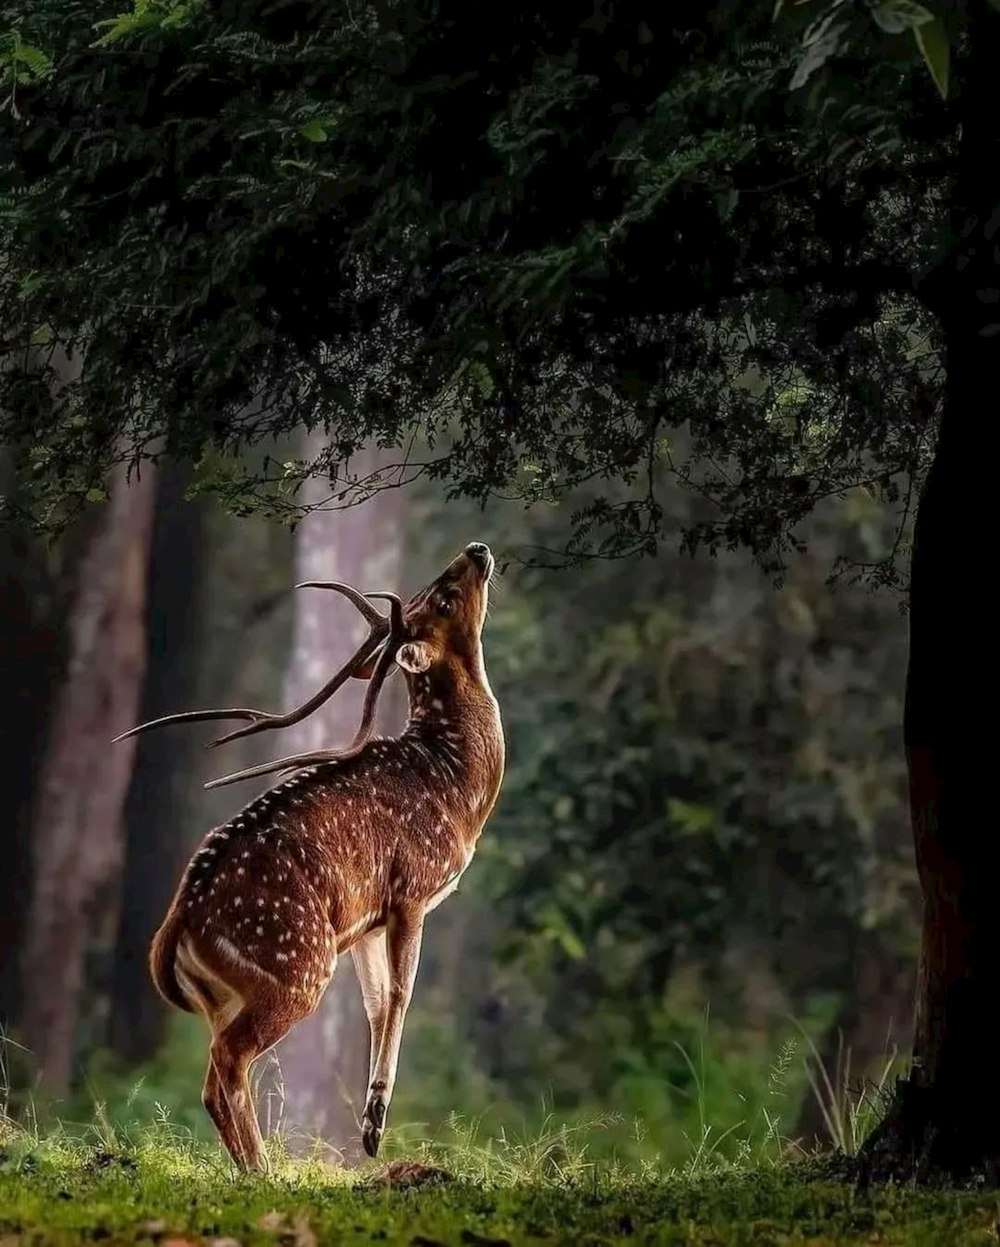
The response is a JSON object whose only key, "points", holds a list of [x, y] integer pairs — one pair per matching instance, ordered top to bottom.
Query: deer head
{"points": [[442, 624]]}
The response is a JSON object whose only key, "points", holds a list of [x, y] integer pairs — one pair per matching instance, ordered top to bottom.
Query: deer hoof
{"points": [[373, 1123]]}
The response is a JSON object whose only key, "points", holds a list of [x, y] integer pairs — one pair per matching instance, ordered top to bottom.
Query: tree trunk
{"points": [[31, 650], [156, 812], [76, 825], [323, 1063], [944, 1123]]}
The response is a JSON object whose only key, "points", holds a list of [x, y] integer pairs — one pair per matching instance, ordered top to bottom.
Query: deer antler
{"points": [[382, 634], [388, 644]]}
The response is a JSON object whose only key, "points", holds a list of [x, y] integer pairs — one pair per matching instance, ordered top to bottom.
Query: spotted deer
{"points": [[350, 852]]}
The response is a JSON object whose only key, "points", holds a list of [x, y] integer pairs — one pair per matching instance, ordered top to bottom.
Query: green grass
{"points": [[700, 1094], [716, 1167], [155, 1183]]}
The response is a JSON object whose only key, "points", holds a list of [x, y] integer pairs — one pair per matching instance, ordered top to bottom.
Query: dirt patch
{"points": [[402, 1174]]}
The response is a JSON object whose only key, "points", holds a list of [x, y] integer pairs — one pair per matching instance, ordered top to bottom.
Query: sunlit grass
{"points": [[713, 1108], [542, 1149], [127, 1169], [132, 1177], [155, 1182]]}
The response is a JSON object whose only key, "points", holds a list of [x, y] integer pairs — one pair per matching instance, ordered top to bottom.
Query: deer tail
{"points": [[162, 957]]}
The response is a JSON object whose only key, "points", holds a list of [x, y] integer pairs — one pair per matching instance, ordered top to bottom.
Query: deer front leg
{"points": [[404, 931], [371, 963]]}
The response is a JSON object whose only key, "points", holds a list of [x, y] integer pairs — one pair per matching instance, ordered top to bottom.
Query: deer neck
{"points": [[455, 722]]}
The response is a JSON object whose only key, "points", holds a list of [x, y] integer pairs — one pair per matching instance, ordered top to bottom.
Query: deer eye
{"points": [[445, 605]]}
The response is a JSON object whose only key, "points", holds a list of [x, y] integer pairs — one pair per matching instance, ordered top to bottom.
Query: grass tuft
{"points": [[850, 1108]]}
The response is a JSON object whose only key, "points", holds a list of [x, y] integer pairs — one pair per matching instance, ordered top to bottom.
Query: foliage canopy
{"points": [[524, 248]]}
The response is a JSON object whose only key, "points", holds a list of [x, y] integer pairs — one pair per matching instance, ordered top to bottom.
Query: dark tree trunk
{"points": [[30, 664], [162, 777], [76, 825], [324, 1061], [944, 1123]]}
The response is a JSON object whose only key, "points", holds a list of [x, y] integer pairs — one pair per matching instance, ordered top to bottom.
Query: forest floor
{"points": [[164, 1191]]}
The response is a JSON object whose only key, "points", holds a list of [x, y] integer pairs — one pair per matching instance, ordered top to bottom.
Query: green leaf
{"points": [[895, 16], [145, 17], [117, 29], [932, 41], [819, 49], [35, 59], [313, 131], [725, 203], [31, 282], [96, 495], [689, 818]]}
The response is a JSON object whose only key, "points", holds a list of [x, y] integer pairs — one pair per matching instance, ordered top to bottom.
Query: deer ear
{"points": [[414, 656]]}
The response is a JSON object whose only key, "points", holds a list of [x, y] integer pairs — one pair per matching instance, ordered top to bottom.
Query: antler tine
{"points": [[360, 600], [395, 609], [192, 716], [263, 720], [296, 761]]}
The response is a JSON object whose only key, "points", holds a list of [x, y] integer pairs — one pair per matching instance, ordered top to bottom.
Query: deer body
{"points": [[349, 854]]}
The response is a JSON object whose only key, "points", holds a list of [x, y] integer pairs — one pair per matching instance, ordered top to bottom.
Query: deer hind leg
{"points": [[404, 932], [371, 963], [219, 1003], [245, 1021], [256, 1028], [216, 1104], [232, 1109]]}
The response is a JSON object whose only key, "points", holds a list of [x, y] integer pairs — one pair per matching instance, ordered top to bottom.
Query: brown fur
{"points": [[343, 855]]}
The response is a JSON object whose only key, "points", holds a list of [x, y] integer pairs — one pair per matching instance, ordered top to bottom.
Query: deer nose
{"points": [[479, 552]]}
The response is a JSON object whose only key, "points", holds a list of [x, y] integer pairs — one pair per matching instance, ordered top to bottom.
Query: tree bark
{"points": [[157, 808], [76, 826], [318, 1090], [944, 1122]]}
